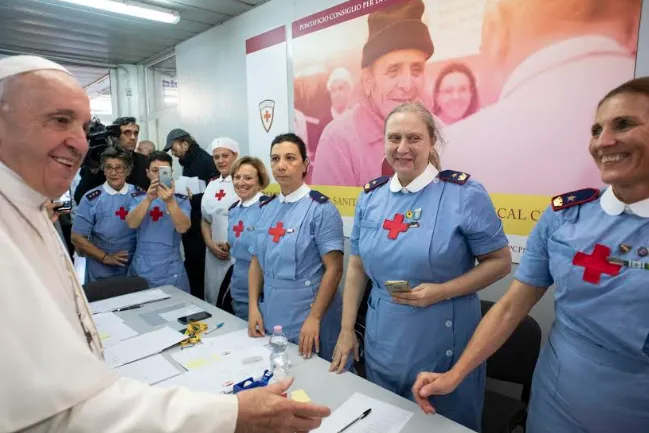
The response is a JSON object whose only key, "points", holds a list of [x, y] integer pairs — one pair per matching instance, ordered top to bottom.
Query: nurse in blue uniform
{"points": [[249, 177], [160, 217], [99, 229], [426, 229], [297, 257], [593, 374]]}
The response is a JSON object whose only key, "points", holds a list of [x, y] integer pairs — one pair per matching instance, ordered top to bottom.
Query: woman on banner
{"points": [[393, 64], [455, 93], [249, 177], [217, 199], [99, 229], [417, 236], [297, 257], [593, 374]]}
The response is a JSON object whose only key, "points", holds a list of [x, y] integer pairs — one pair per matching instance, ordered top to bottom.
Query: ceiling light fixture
{"points": [[131, 8]]}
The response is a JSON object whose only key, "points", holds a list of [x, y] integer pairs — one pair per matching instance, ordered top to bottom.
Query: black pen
{"points": [[132, 307], [367, 412]]}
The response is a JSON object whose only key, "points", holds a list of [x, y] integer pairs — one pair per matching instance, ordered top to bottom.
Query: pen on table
{"points": [[132, 307], [219, 326], [367, 412]]}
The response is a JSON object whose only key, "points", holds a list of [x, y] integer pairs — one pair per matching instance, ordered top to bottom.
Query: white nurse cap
{"points": [[226, 143]]}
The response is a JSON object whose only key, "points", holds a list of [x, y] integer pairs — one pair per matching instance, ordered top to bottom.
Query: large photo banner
{"points": [[513, 85], [267, 87]]}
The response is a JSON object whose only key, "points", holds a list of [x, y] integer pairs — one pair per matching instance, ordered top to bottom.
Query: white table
{"points": [[310, 375]]}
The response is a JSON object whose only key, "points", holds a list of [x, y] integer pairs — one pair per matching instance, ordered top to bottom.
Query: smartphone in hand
{"points": [[164, 176], [396, 286]]}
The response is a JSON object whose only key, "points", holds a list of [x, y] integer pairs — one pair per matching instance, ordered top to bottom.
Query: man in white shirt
{"points": [[552, 61], [52, 373]]}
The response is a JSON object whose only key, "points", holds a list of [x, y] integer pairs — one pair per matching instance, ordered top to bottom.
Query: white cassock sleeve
{"points": [[51, 381]]}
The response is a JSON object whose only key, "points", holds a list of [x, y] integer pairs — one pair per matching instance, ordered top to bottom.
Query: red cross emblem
{"points": [[267, 116], [219, 195], [121, 213], [156, 214], [395, 226], [238, 229], [277, 232], [596, 264]]}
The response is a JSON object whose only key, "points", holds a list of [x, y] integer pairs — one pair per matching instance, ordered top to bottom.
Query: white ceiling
{"points": [[79, 35]]}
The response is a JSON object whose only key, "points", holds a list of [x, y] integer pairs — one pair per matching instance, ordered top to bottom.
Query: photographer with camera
{"points": [[123, 133]]}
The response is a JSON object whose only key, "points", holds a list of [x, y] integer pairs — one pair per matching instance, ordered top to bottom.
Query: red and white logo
{"points": [[267, 113]]}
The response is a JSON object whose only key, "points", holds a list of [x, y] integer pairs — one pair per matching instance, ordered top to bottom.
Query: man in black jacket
{"points": [[196, 162], [92, 176]]}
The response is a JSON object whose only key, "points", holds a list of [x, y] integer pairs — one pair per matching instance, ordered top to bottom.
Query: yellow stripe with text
{"points": [[518, 212]]}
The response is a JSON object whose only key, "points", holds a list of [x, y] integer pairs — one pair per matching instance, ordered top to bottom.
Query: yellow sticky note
{"points": [[103, 335], [196, 363], [300, 395]]}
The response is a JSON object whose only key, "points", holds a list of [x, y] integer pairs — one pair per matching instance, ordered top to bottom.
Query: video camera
{"points": [[100, 137]]}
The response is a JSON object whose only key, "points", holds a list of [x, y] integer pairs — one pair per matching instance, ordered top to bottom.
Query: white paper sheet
{"points": [[195, 185], [124, 301], [172, 315], [112, 329], [142, 346], [202, 355], [149, 370], [219, 377], [384, 418]]}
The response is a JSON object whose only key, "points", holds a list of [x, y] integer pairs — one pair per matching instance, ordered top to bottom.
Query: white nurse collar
{"points": [[420, 182], [613, 206]]}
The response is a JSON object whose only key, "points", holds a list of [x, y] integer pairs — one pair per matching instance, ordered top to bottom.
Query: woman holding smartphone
{"points": [[249, 177], [160, 217], [422, 230], [297, 257]]}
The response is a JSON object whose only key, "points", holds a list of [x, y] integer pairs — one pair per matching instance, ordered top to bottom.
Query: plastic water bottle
{"points": [[278, 357]]}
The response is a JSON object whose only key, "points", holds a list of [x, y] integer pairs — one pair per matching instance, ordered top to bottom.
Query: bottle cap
{"points": [[277, 328]]}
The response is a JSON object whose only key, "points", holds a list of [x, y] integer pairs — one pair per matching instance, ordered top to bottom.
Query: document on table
{"points": [[195, 185], [130, 300], [172, 315], [112, 329], [142, 346], [231, 347], [149, 370], [220, 377], [384, 418]]}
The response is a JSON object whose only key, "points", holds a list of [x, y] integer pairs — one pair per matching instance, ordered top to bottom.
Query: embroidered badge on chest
{"points": [[220, 195], [121, 213], [156, 214], [401, 223], [237, 229], [277, 232], [596, 264]]}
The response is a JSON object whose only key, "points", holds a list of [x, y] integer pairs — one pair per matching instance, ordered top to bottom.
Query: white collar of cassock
{"points": [[420, 182], [17, 190], [111, 191], [296, 195], [251, 201], [613, 206]]}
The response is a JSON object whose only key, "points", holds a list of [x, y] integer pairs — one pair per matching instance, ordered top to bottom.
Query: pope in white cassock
{"points": [[52, 375]]}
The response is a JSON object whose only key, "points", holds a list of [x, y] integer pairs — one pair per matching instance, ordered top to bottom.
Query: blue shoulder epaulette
{"points": [[458, 177], [214, 178], [373, 184], [138, 188], [138, 193], [93, 194], [181, 196], [263, 197], [319, 197], [574, 198], [263, 203], [233, 205]]}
